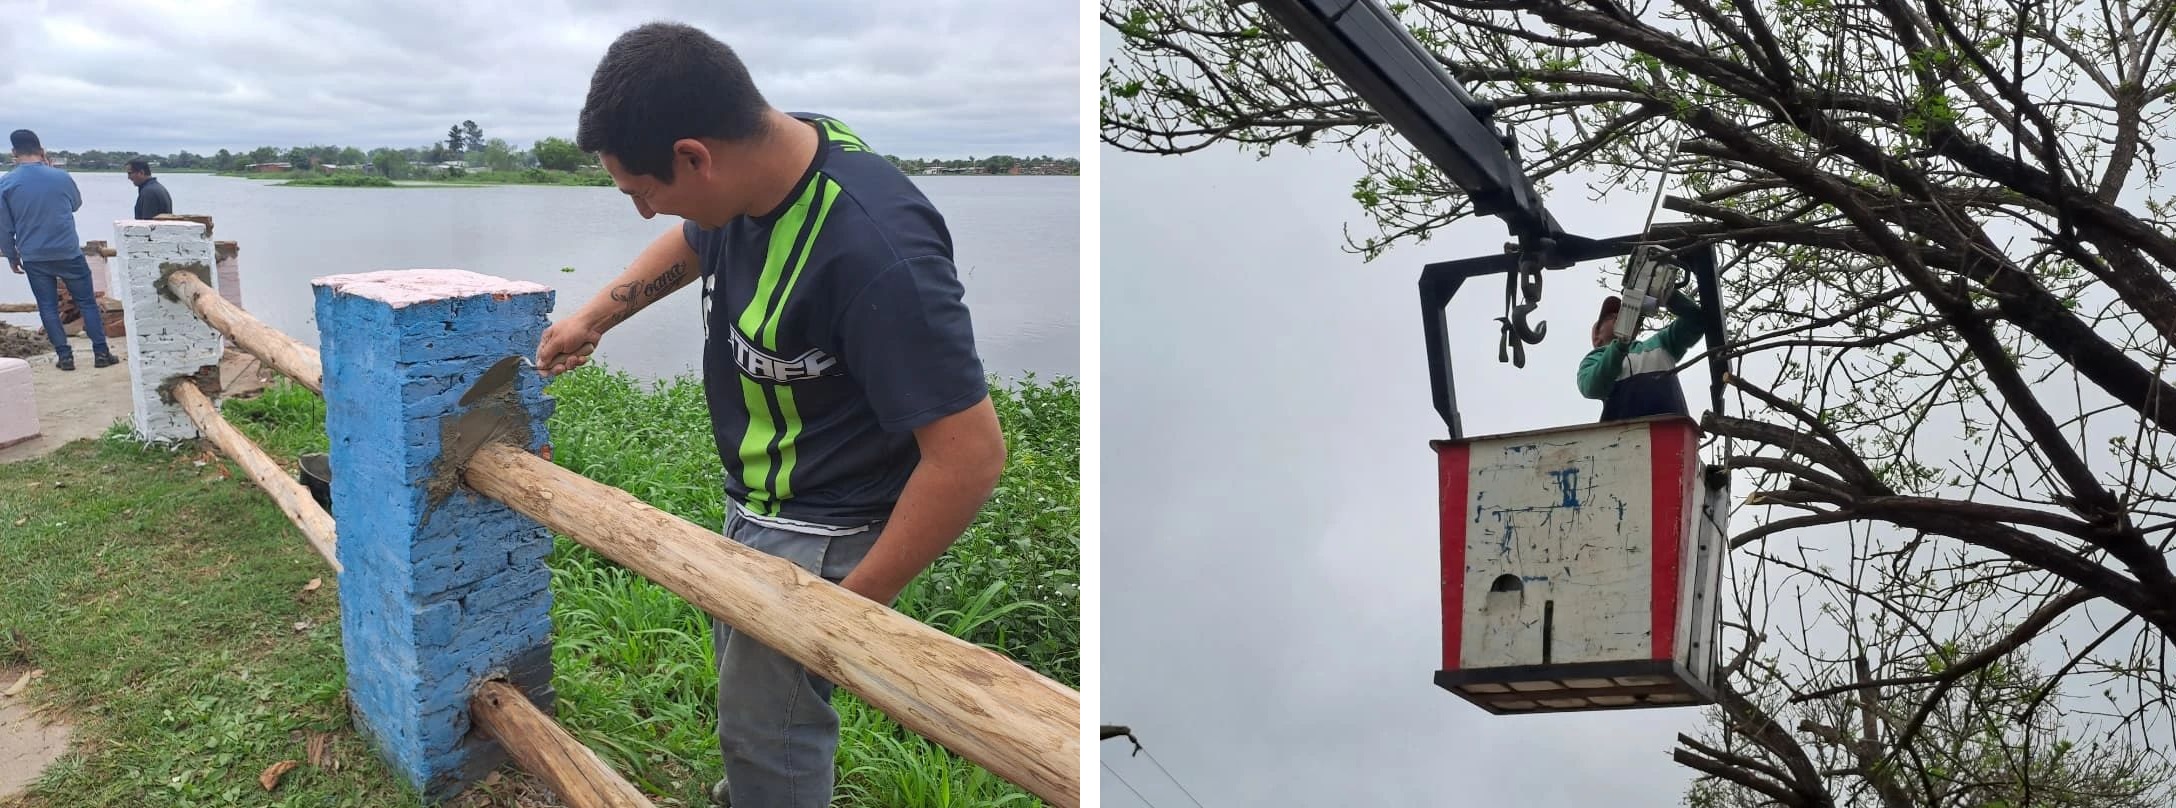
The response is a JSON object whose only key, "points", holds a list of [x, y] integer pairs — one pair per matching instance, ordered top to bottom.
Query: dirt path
{"points": [[82, 403], [29, 742]]}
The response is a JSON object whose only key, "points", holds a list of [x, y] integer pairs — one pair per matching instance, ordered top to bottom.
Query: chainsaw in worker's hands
{"points": [[1651, 275]]}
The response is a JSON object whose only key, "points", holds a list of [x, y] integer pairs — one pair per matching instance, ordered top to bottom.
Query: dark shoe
{"points": [[105, 361], [67, 363], [720, 796]]}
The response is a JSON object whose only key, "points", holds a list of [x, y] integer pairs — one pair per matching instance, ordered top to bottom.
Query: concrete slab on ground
{"points": [[83, 403], [29, 742]]}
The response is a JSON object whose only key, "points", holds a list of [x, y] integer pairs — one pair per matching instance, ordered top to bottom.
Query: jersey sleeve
{"points": [[1686, 329], [908, 342], [1598, 372]]}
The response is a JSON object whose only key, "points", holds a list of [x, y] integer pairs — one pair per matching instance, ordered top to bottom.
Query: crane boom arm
{"points": [[1374, 54]]}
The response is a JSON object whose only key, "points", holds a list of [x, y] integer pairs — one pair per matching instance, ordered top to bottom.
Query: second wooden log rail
{"points": [[286, 355], [315, 523], [977, 703], [543, 748]]}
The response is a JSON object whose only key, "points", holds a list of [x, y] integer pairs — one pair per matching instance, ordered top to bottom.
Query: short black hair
{"points": [[663, 82], [25, 141], [140, 166]]}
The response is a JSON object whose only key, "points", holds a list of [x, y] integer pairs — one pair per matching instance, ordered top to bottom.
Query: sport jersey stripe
{"points": [[827, 192], [788, 235], [767, 448], [784, 449], [755, 453], [786, 453], [772, 454]]}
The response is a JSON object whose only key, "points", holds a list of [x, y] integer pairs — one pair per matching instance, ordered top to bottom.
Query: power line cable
{"points": [[1117, 731], [1174, 780], [1129, 786]]}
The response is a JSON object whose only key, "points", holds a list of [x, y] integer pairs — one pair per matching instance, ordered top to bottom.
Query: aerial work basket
{"points": [[1581, 564], [1580, 567]]}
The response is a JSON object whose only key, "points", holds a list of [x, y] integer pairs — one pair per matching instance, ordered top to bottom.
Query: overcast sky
{"points": [[920, 78], [1270, 602]]}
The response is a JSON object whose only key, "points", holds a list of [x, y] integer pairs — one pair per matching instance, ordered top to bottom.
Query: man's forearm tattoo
{"points": [[667, 282], [634, 295]]}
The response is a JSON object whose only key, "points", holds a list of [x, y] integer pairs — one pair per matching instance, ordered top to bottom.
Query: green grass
{"points": [[269, 175], [532, 176], [342, 180], [161, 598], [168, 629], [637, 659]]}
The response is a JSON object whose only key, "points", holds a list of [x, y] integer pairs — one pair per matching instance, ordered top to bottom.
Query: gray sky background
{"points": [[916, 78], [1270, 566], [1270, 603]]}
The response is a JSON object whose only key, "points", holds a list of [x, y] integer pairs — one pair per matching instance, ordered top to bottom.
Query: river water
{"points": [[1016, 242]]}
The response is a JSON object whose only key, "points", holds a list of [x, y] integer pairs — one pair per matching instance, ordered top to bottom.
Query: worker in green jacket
{"points": [[1635, 379]]}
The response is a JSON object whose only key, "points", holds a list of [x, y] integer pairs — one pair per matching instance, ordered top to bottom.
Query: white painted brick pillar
{"points": [[165, 338]]}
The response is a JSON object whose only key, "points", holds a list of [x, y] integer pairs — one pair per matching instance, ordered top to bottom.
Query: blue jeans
{"points": [[45, 280], [776, 728]]}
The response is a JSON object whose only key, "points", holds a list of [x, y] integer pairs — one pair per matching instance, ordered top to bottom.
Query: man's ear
{"points": [[696, 153]]}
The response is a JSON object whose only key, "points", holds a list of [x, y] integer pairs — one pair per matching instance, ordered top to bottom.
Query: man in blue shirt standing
{"points": [[38, 205]]}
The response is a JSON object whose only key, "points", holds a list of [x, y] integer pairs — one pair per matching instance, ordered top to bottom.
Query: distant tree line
{"points": [[466, 149], [997, 164]]}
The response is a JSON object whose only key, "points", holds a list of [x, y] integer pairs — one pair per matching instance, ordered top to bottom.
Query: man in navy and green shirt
{"points": [[1635, 379], [845, 394]]}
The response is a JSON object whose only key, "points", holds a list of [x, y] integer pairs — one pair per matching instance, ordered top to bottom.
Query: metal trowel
{"points": [[498, 378], [485, 414]]}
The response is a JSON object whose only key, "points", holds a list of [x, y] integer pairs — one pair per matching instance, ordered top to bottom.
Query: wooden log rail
{"points": [[286, 355], [293, 498], [981, 705]]}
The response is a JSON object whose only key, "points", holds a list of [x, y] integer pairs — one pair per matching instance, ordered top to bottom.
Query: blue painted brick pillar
{"points": [[441, 588]]}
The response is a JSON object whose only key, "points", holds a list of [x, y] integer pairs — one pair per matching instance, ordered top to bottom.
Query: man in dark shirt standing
{"points": [[151, 197], [846, 396]]}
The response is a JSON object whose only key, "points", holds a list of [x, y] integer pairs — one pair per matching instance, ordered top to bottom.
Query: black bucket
{"points": [[317, 476]]}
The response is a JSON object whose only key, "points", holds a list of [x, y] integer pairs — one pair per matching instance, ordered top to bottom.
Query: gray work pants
{"points": [[776, 728]]}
